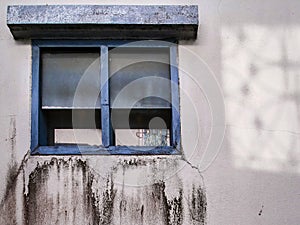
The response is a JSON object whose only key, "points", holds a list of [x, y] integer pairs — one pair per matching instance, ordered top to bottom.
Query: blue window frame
{"points": [[40, 124]]}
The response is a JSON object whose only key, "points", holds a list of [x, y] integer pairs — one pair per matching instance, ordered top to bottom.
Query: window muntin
{"points": [[166, 107]]}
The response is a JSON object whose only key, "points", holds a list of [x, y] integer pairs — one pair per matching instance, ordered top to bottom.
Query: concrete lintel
{"points": [[103, 21]]}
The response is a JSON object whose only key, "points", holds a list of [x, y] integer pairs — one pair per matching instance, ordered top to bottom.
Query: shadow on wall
{"points": [[261, 83], [255, 178]]}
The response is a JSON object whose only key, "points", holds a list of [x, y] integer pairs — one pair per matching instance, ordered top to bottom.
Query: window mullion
{"points": [[35, 105], [175, 129], [107, 131]]}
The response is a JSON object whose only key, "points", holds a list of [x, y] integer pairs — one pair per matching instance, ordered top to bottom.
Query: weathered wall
{"points": [[252, 48], [121, 190], [84, 191]]}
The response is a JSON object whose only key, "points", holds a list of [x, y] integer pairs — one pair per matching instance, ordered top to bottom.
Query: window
{"points": [[105, 97]]}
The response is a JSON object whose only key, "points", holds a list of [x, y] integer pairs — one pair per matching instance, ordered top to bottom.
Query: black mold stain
{"points": [[253, 69], [245, 90], [258, 123], [126, 163], [13, 172], [11, 179], [90, 199], [8, 203], [108, 203], [38, 204], [197, 205], [99, 207], [172, 209], [176, 210], [261, 210], [142, 211], [32, 214], [142, 214]]}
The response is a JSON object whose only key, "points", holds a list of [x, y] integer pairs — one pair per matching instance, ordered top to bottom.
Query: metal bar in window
{"points": [[68, 43], [108, 43], [140, 44], [104, 76], [35, 97], [38, 122], [107, 131], [175, 137], [98, 150]]}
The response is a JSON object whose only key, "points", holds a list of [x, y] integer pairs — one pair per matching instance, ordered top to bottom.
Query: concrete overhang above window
{"points": [[103, 21]]}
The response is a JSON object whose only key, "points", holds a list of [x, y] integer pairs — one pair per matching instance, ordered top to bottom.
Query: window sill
{"points": [[100, 150]]}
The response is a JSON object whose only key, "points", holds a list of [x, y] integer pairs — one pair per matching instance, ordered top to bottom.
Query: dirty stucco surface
{"points": [[252, 47], [88, 189], [76, 190]]}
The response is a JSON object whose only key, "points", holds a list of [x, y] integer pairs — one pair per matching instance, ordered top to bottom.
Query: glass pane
{"points": [[70, 78], [140, 78], [141, 127], [78, 136], [143, 137]]}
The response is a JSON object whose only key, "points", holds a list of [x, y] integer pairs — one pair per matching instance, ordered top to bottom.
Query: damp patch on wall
{"points": [[72, 190]]}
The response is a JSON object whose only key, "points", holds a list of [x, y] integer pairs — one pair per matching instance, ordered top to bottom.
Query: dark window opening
{"points": [[71, 95], [102, 97]]}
